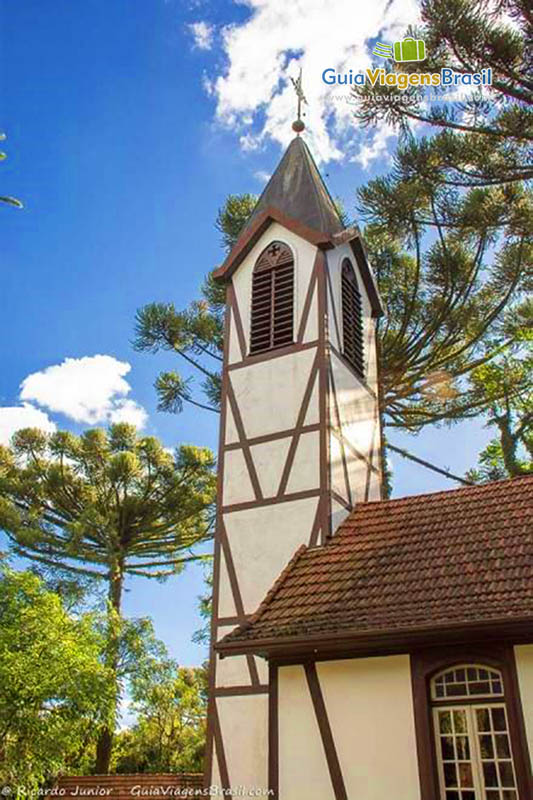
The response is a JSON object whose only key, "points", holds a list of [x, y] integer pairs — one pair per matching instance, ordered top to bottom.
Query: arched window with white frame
{"points": [[471, 725]]}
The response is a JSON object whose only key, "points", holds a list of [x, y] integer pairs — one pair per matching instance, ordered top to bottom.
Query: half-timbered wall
{"points": [[354, 435], [298, 447], [346, 730]]}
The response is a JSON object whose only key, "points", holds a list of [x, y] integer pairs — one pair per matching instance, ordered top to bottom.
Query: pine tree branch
{"points": [[428, 465]]}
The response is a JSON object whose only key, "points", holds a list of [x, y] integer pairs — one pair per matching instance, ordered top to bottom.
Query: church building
{"points": [[362, 648]]}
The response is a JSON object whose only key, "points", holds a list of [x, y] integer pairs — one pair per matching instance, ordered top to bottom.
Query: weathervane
{"points": [[298, 124]]}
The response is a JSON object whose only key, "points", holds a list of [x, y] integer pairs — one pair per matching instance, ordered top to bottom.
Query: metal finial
{"points": [[298, 125]]}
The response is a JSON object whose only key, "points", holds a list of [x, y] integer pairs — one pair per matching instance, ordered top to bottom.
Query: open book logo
{"points": [[407, 50]]}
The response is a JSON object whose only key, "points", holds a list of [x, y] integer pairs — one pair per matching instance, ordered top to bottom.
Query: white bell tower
{"points": [[299, 438]]}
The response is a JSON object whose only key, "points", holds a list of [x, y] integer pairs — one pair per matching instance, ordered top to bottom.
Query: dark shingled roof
{"points": [[296, 188], [430, 561]]}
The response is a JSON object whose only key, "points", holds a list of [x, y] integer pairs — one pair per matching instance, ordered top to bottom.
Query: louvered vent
{"points": [[272, 299], [352, 320]]}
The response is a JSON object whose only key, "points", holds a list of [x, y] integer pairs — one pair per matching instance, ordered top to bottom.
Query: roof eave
{"points": [[252, 232], [324, 241], [376, 641]]}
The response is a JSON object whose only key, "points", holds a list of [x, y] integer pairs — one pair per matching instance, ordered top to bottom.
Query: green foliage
{"points": [[485, 140], [6, 199], [232, 217], [450, 229], [445, 299], [196, 333], [505, 385], [104, 505], [205, 606], [55, 691], [169, 735]]}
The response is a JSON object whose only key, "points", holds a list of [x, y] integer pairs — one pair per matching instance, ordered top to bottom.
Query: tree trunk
{"points": [[509, 447], [105, 742]]}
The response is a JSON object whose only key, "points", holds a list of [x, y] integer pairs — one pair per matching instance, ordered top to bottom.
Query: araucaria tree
{"points": [[487, 139], [106, 504]]}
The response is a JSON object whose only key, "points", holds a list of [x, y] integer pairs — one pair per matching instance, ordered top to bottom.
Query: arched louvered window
{"points": [[272, 299], [352, 319], [472, 735]]}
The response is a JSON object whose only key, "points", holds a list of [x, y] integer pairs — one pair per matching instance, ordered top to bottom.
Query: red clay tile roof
{"points": [[430, 561]]}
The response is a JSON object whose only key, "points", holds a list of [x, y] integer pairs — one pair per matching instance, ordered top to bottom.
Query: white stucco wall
{"points": [[270, 393], [263, 540], [524, 668], [370, 711], [244, 727], [303, 770]]}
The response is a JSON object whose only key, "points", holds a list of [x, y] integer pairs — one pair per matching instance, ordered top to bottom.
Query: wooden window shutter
{"points": [[272, 299], [352, 319]]}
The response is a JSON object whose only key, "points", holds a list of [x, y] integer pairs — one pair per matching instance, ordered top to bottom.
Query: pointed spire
{"points": [[297, 189]]}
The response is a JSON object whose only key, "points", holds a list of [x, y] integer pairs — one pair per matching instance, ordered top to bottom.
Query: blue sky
{"points": [[128, 123]]}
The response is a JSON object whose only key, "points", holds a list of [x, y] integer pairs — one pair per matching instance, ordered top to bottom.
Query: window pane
{"points": [[480, 687], [457, 690], [483, 719], [498, 719], [459, 721], [445, 722], [502, 745], [486, 747], [463, 748], [447, 749], [506, 773], [489, 774], [450, 775], [465, 775], [509, 794], [452, 795]]}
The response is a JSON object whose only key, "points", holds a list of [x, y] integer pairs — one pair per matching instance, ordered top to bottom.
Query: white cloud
{"points": [[202, 34], [274, 41], [375, 146], [262, 176], [90, 390], [129, 411], [13, 418]]}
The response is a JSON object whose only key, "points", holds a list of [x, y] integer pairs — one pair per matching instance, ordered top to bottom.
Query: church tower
{"points": [[299, 437]]}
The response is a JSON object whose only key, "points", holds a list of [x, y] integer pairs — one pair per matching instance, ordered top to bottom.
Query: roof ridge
{"points": [[442, 492]]}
